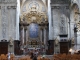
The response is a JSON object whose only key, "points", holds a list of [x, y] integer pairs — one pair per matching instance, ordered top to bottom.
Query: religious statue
{"points": [[72, 40], [11, 41], [56, 41]]}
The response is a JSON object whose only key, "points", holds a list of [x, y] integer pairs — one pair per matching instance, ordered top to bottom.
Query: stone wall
{"points": [[59, 13], [8, 19]]}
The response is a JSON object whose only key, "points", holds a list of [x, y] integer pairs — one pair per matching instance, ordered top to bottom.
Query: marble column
{"points": [[21, 27], [41, 34], [22, 35], [47, 35], [26, 36], [44, 36]]}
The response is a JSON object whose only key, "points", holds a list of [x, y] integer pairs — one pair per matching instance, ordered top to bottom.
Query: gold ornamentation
{"points": [[34, 16], [78, 26]]}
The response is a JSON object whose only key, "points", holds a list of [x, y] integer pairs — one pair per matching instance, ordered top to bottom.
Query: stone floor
{"points": [[48, 56]]}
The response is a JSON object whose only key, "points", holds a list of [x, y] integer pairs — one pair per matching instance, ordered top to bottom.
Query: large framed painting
{"points": [[33, 30]]}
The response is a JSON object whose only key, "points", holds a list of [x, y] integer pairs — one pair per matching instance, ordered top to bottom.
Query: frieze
{"points": [[2, 0], [8, 1], [60, 1], [8, 7], [11, 7], [14, 7], [56, 7], [60, 7]]}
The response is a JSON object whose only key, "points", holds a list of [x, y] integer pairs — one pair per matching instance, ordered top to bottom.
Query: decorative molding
{"points": [[2, 1], [8, 1], [60, 1], [8, 7], [11, 7], [14, 7], [56, 7], [59, 7]]}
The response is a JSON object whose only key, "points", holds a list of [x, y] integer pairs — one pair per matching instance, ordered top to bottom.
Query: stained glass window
{"points": [[33, 30]]}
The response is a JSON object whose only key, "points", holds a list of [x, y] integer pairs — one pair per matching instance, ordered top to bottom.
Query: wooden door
{"points": [[3, 47], [63, 47], [17, 50], [50, 50]]}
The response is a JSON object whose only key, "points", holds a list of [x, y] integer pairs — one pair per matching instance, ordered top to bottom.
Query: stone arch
{"points": [[26, 2], [31, 9], [74, 12]]}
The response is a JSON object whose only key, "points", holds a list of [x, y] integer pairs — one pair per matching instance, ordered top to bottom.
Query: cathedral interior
{"points": [[48, 26]]}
